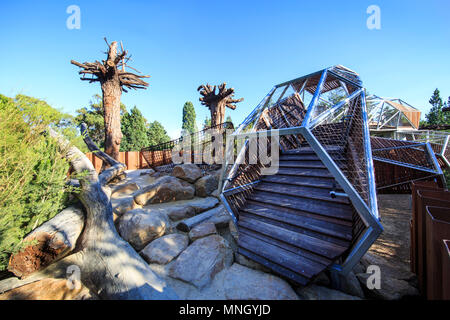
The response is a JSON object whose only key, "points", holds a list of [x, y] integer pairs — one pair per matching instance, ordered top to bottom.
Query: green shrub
{"points": [[32, 169]]}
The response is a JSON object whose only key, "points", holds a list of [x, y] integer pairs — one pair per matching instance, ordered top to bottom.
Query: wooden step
{"points": [[309, 150], [301, 164], [305, 172], [317, 182], [300, 191], [335, 210], [308, 223], [305, 242], [286, 246], [289, 260], [280, 270]]}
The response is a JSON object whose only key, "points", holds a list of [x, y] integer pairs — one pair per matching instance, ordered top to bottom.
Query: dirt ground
{"points": [[394, 242]]}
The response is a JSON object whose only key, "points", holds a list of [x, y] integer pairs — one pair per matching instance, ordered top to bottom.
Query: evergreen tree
{"points": [[435, 115], [93, 117], [229, 120], [189, 122], [207, 123], [134, 130], [156, 134], [33, 171]]}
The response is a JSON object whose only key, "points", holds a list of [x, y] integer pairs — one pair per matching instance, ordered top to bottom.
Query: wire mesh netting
{"points": [[341, 133], [192, 148]]}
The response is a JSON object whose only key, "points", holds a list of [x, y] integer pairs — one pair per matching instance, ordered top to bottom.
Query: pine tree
{"points": [[435, 115], [229, 120], [189, 123], [207, 123], [134, 130], [156, 134]]}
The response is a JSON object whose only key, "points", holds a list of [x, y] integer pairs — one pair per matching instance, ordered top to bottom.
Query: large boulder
{"points": [[189, 172], [206, 185], [124, 189], [164, 189], [123, 204], [183, 209], [221, 218], [139, 227], [202, 230], [165, 249], [202, 260], [244, 261], [242, 283], [351, 285], [390, 288], [49, 289], [315, 292]]}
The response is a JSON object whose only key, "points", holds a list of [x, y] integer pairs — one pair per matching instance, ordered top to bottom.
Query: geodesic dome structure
{"points": [[391, 114]]}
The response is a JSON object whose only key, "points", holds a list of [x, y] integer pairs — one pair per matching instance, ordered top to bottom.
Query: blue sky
{"points": [[251, 45]]}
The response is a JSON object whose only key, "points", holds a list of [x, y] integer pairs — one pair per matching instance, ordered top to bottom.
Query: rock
{"points": [[144, 172], [189, 172], [206, 185], [125, 189], [164, 189], [122, 205], [183, 209], [221, 218], [139, 227], [202, 230], [233, 230], [165, 249], [202, 260], [244, 261], [388, 269], [322, 279], [242, 283], [350, 285], [390, 288], [49, 289], [315, 292]]}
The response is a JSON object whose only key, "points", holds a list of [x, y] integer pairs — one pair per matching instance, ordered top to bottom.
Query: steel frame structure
{"points": [[320, 110], [389, 114]]}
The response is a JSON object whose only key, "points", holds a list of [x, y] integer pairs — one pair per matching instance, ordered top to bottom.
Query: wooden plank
{"points": [[302, 157], [301, 164], [305, 172], [317, 182], [300, 191], [318, 207], [297, 212], [315, 225], [312, 244], [286, 246], [280, 256], [280, 270]]}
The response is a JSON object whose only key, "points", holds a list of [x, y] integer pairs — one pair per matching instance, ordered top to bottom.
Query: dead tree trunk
{"points": [[113, 78], [217, 102], [108, 265]]}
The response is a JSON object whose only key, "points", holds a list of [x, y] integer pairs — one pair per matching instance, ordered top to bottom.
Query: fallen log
{"points": [[187, 224], [51, 241]]}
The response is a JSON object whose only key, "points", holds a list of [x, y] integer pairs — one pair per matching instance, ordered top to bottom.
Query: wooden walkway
{"points": [[291, 224]]}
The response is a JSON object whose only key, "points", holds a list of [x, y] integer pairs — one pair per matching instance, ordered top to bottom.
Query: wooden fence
{"points": [[132, 159]]}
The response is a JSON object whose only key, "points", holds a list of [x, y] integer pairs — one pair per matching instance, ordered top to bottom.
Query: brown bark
{"points": [[113, 78], [217, 102]]}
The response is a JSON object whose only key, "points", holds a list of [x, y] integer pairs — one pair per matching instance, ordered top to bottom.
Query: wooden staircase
{"points": [[291, 224]]}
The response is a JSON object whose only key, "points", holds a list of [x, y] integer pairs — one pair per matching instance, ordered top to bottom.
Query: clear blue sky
{"points": [[251, 45]]}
